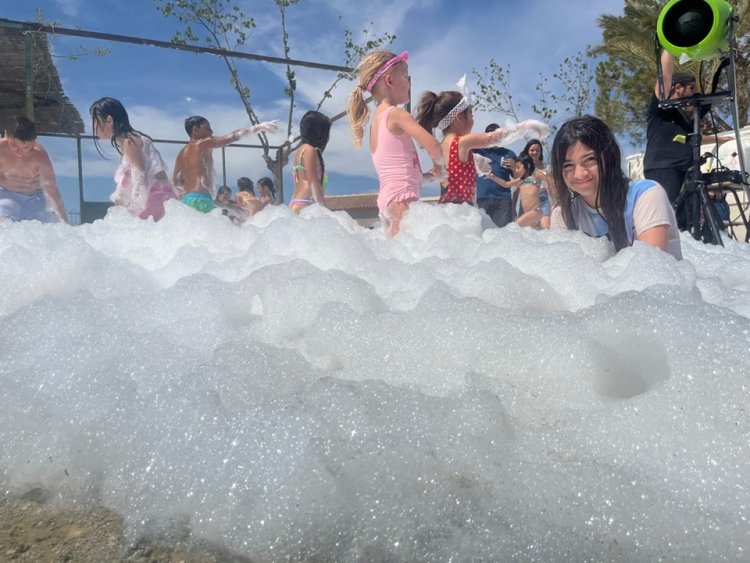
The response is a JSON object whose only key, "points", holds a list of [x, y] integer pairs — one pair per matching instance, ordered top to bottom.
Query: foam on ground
{"points": [[301, 387]]}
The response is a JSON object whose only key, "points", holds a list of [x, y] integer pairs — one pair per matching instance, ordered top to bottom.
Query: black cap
{"points": [[682, 78]]}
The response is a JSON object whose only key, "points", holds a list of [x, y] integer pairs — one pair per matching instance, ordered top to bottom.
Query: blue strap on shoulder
{"points": [[635, 190]]}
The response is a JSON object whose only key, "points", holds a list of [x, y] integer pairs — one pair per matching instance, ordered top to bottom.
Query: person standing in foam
{"points": [[451, 113], [392, 135], [535, 150], [309, 169], [194, 176], [142, 184], [28, 186], [599, 199], [528, 206]]}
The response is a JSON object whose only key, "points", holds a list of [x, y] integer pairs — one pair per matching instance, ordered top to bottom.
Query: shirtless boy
{"points": [[194, 168], [27, 180]]}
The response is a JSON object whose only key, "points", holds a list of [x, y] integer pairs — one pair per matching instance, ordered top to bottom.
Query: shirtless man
{"points": [[194, 168], [27, 180]]}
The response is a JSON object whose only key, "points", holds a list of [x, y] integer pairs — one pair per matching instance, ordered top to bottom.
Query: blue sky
{"points": [[161, 87]]}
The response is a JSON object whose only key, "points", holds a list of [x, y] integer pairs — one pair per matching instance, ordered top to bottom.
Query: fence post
{"points": [[29, 72], [80, 177]]}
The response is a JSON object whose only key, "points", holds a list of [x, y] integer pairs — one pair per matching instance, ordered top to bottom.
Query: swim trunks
{"points": [[200, 201], [21, 206]]}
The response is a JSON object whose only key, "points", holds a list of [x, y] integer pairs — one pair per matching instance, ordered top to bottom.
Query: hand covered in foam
{"points": [[265, 127], [528, 128], [497, 135], [483, 164], [438, 173]]}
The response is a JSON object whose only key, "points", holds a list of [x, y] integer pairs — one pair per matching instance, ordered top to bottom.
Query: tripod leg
{"points": [[690, 209], [711, 230]]}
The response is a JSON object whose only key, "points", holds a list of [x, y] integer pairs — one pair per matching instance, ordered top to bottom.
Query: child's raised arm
{"points": [[403, 120], [478, 141]]}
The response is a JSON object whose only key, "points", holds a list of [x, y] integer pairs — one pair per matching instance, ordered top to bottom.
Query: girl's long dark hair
{"points": [[111, 107], [315, 130], [530, 144], [528, 164], [613, 184]]}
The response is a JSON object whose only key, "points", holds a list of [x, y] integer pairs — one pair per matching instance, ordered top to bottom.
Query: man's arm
{"points": [[667, 69], [237, 134], [48, 183]]}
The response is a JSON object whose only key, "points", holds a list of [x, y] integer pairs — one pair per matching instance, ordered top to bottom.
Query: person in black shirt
{"points": [[667, 161]]}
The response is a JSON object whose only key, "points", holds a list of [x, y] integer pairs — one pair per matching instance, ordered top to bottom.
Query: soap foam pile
{"points": [[305, 388]]}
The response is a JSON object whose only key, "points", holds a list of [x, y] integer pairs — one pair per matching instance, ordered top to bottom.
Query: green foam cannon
{"points": [[696, 28]]}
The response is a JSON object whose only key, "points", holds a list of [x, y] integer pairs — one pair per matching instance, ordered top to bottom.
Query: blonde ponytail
{"points": [[356, 109], [358, 114]]}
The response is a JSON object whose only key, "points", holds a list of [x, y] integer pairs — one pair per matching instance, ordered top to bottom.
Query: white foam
{"points": [[302, 387]]}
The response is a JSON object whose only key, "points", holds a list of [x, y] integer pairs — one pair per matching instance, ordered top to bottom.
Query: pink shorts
{"points": [[160, 192]]}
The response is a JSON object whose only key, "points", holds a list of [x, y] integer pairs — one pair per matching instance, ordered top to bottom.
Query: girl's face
{"points": [[400, 82], [103, 128], [535, 151], [519, 170], [581, 172], [223, 197]]}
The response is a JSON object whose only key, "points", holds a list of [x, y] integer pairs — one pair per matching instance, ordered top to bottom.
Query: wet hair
{"points": [[111, 107], [433, 107], [356, 109], [194, 121], [491, 127], [314, 130], [24, 131], [530, 144], [527, 162], [267, 183], [245, 184], [613, 184], [223, 190]]}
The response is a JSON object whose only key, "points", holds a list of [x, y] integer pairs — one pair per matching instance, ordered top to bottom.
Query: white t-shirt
{"points": [[652, 209]]}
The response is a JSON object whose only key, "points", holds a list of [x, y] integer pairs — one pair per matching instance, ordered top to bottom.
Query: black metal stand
{"points": [[701, 219]]}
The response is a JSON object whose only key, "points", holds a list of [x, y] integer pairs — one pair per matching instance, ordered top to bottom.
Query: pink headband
{"points": [[403, 57]]}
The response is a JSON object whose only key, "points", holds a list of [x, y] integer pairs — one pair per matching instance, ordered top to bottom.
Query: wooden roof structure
{"points": [[53, 112]]}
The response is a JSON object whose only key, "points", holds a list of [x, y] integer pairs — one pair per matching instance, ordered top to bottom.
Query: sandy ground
{"points": [[31, 529]]}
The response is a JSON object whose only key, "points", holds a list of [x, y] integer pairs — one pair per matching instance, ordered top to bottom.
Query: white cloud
{"points": [[70, 8], [444, 40]]}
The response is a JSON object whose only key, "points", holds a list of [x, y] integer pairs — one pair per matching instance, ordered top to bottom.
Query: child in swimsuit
{"points": [[386, 76], [451, 113], [309, 168], [142, 184], [529, 211]]}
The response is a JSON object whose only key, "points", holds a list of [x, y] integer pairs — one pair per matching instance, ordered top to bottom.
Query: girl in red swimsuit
{"points": [[451, 113]]}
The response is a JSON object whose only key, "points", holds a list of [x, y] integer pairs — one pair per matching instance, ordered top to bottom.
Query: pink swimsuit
{"points": [[397, 165]]}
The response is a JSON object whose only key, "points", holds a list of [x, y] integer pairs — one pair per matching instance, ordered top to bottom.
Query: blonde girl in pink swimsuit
{"points": [[386, 76]]}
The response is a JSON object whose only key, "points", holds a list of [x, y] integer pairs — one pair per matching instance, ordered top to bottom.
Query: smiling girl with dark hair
{"points": [[597, 198]]}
